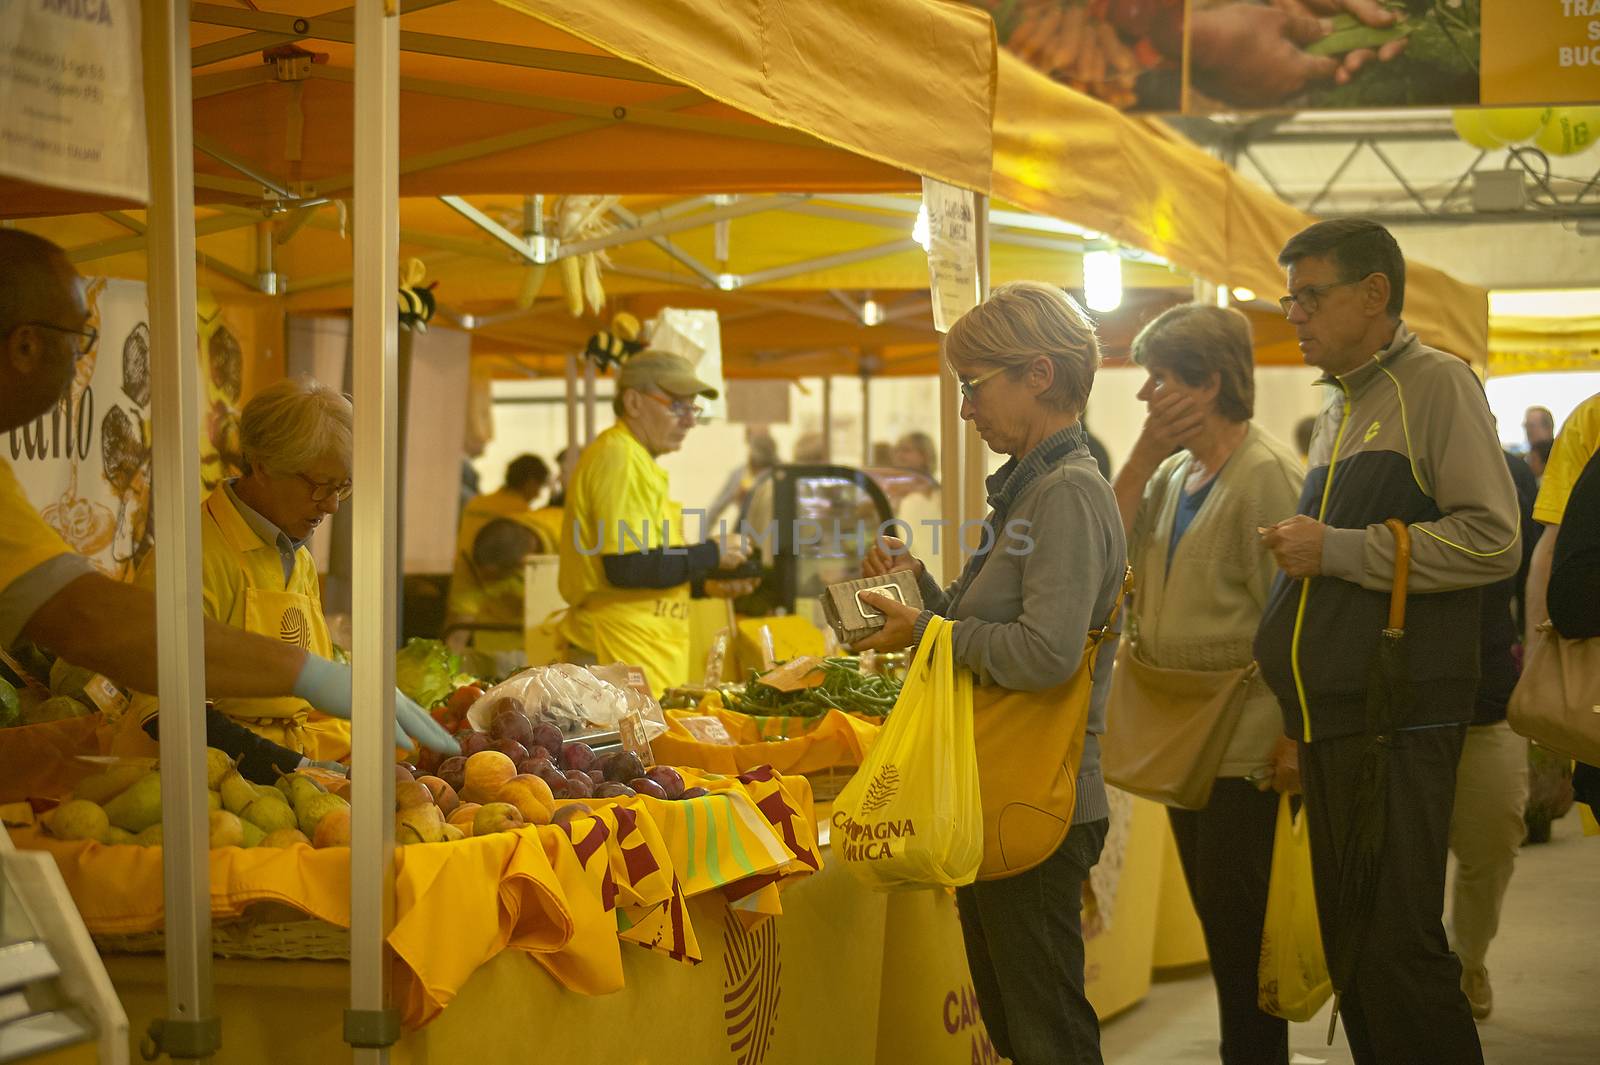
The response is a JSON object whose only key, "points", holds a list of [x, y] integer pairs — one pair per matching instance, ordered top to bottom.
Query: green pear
{"points": [[217, 765], [296, 786], [103, 787], [236, 792], [213, 802], [139, 807], [310, 810], [270, 814], [77, 819], [419, 824], [226, 830], [252, 833], [116, 837], [150, 837]]}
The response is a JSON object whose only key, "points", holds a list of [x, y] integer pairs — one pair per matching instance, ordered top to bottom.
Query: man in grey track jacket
{"points": [[1406, 434]]}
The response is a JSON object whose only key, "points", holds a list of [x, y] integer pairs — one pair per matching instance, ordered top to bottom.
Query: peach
{"points": [[485, 773], [444, 796], [462, 816]]}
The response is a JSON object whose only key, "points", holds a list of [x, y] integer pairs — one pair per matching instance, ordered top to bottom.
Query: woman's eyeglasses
{"points": [[969, 389], [322, 491]]}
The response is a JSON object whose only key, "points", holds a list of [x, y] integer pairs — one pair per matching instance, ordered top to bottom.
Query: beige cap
{"points": [[672, 374]]}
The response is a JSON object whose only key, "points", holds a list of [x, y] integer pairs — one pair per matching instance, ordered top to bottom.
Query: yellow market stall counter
{"points": [[562, 895]]}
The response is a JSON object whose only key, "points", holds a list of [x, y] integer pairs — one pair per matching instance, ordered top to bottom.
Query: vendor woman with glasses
{"points": [[258, 574], [627, 586]]}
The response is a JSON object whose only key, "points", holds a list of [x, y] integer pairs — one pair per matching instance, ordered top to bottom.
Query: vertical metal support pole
{"points": [[589, 402], [572, 418], [827, 419], [866, 419], [974, 494], [371, 1024], [191, 1029]]}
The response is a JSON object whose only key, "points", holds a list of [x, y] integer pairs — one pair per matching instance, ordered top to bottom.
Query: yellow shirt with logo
{"points": [[1579, 439], [617, 502], [242, 585]]}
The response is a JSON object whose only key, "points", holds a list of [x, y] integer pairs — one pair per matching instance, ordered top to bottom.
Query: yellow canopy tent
{"points": [[1064, 154], [1525, 344]]}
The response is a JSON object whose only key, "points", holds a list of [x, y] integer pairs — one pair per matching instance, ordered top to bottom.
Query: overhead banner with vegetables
{"points": [[1205, 56]]}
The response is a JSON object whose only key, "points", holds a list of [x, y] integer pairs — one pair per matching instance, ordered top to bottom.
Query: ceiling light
{"points": [[1102, 280], [727, 282], [1244, 295], [871, 312]]}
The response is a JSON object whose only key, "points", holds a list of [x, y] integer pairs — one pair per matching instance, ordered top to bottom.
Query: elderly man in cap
{"points": [[626, 572]]}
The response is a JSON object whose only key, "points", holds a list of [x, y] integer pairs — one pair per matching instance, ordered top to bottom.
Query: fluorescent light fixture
{"points": [[919, 229], [1102, 280], [727, 282], [1244, 295], [1222, 296], [871, 312], [468, 322]]}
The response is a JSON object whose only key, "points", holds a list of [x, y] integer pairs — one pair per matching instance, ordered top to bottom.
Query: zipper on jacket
{"points": [[1305, 583]]}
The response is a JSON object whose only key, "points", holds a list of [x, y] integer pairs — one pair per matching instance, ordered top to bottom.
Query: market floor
{"points": [[1545, 964]]}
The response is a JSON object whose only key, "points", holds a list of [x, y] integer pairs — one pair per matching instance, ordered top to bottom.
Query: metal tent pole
{"points": [[588, 402], [572, 419], [827, 419], [866, 419], [950, 468], [372, 1025], [191, 1029]]}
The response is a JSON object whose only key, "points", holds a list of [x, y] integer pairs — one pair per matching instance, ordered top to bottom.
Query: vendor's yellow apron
{"points": [[292, 615], [646, 627]]}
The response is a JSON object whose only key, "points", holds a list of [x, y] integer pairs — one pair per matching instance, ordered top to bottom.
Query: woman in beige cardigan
{"points": [[1200, 481]]}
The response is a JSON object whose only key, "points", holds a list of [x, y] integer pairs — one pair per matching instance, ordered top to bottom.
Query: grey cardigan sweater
{"points": [[1023, 609]]}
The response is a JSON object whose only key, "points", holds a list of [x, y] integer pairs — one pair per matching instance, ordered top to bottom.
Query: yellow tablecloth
{"points": [[835, 739], [562, 895]]}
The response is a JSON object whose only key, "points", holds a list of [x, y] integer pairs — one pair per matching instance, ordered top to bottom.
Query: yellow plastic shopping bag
{"points": [[911, 817], [1293, 978]]}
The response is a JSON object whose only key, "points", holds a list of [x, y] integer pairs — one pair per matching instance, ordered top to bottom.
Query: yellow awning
{"points": [[1061, 153], [1520, 344]]}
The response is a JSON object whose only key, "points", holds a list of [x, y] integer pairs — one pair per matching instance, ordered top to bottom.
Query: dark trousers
{"points": [[1226, 850], [1024, 940], [1405, 1003]]}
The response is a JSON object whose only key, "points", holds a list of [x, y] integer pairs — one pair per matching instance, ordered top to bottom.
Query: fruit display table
{"points": [[572, 897]]}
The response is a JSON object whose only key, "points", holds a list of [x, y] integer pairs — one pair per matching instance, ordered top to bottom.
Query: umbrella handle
{"points": [[1402, 573]]}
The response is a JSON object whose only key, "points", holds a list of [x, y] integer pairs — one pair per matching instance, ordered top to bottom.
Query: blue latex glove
{"points": [[327, 686], [331, 767]]}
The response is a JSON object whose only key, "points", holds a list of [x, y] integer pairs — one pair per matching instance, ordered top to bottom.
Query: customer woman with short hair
{"points": [[258, 575], [1201, 578], [1024, 611]]}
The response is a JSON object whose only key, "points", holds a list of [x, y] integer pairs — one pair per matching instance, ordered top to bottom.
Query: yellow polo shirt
{"points": [[1579, 439], [35, 562]]}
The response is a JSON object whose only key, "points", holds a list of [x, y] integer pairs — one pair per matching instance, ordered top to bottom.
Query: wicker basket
{"points": [[266, 930]]}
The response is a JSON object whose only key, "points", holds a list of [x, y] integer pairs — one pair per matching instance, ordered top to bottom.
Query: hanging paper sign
{"points": [[72, 79], [952, 245], [697, 336]]}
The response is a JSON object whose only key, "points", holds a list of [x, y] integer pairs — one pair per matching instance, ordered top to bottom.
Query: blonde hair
{"points": [[1023, 321], [292, 423]]}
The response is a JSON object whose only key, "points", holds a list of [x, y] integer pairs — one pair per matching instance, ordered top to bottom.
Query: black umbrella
{"points": [[1388, 704]]}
